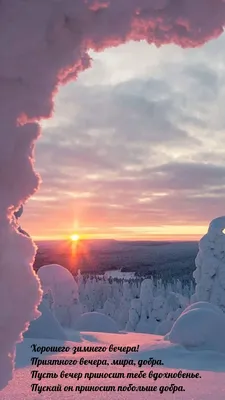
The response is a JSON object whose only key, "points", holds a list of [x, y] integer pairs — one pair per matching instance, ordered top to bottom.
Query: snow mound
{"points": [[204, 305], [96, 322], [46, 326], [200, 328]]}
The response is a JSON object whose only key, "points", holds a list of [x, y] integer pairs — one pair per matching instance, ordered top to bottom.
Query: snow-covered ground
{"points": [[188, 363], [209, 365]]}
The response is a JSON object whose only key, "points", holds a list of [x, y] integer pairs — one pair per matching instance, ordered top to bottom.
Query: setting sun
{"points": [[74, 237]]}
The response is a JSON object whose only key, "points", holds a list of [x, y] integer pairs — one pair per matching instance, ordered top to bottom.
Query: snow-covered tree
{"points": [[210, 266], [60, 282], [49, 300], [175, 304], [140, 313]]}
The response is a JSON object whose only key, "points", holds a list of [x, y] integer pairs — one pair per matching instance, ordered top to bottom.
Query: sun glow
{"points": [[75, 237]]}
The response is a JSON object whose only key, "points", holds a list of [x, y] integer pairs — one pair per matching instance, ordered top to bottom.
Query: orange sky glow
{"points": [[131, 152], [65, 230]]}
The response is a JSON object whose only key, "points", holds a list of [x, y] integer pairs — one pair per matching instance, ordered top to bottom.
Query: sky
{"points": [[135, 149]]}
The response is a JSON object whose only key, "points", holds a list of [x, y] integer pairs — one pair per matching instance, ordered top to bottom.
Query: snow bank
{"points": [[210, 266], [95, 322], [45, 327], [199, 327]]}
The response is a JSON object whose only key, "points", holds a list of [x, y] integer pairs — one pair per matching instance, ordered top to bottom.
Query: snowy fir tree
{"points": [[210, 266], [63, 287]]}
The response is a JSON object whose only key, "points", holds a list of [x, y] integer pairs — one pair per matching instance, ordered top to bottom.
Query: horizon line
{"points": [[178, 238]]}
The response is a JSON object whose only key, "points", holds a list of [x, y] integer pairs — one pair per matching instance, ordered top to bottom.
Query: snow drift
{"points": [[44, 44], [95, 322], [46, 326], [201, 327]]}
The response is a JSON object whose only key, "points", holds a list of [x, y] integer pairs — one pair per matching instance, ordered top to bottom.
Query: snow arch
{"points": [[44, 43]]}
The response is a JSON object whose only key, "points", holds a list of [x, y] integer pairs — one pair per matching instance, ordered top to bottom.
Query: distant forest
{"points": [[165, 260]]}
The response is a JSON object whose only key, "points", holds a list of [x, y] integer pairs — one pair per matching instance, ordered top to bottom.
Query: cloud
{"points": [[54, 37], [49, 46], [145, 157], [186, 176]]}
